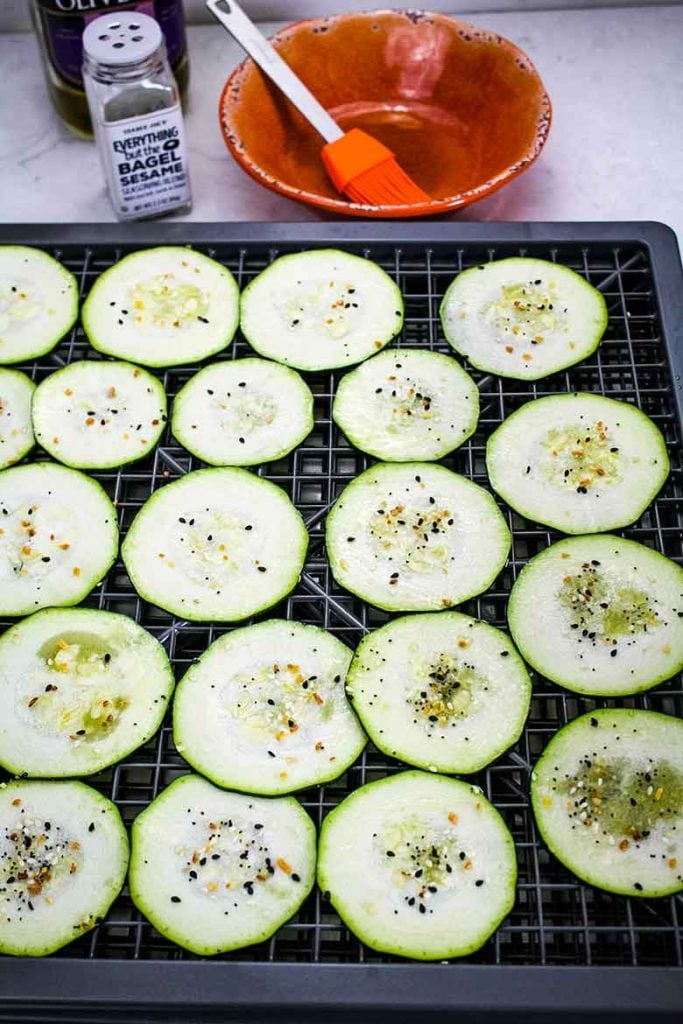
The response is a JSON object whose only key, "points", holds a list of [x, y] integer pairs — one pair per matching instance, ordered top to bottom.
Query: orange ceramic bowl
{"points": [[463, 109]]}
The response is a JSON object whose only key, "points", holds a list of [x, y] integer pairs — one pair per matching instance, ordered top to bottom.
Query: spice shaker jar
{"points": [[136, 116]]}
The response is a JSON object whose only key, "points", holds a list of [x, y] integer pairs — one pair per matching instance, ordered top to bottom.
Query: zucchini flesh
{"points": [[38, 303], [162, 307], [320, 309], [523, 318], [407, 404], [242, 412], [97, 415], [16, 431], [580, 463], [415, 537], [58, 538], [217, 544], [612, 613], [79, 689], [441, 691], [264, 709], [607, 794], [63, 861], [418, 865], [214, 870]]}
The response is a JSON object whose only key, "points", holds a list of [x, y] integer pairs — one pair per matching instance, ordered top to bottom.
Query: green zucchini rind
{"points": [[38, 303], [166, 306], [320, 309], [523, 318], [406, 404], [242, 412], [99, 415], [16, 430], [580, 463], [59, 537], [415, 537], [217, 544], [600, 615], [79, 690], [442, 691], [264, 711], [607, 794], [63, 861], [418, 865], [215, 870]]}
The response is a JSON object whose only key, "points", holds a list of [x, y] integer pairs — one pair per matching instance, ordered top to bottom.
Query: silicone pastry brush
{"points": [[358, 165]]}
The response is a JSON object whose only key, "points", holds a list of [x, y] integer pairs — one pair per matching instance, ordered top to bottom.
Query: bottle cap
{"points": [[125, 38]]}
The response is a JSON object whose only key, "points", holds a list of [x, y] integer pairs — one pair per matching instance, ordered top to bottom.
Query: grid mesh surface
{"points": [[556, 919]]}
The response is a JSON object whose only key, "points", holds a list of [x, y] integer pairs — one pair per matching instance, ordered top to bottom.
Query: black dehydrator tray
{"points": [[566, 951]]}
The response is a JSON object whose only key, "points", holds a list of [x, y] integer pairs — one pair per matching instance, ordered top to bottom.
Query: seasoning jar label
{"points": [[147, 163]]}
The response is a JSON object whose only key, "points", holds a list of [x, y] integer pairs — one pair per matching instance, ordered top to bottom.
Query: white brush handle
{"points": [[233, 18]]}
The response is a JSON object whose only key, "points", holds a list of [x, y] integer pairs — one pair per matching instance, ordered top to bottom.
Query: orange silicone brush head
{"points": [[367, 172]]}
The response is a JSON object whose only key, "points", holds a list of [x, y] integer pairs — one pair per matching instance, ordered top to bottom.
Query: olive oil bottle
{"points": [[60, 25]]}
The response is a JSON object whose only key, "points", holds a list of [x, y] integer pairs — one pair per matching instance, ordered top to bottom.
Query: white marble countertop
{"points": [[614, 75]]}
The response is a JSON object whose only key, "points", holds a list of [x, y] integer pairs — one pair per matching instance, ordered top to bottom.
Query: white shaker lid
{"points": [[124, 38]]}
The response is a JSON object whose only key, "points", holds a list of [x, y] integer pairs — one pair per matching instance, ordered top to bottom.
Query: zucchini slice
{"points": [[38, 303], [162, 307], [320, 309], [523, 318], [407, 404], [242, 412], [97, 415], [16, 431], [580, 463], [58, 537], [415, 537], [218, 544], [611, 612], [79, 689], [443, 691], [263, 710], [607, 794], [63, 861], [418, 865], [215, 871]]}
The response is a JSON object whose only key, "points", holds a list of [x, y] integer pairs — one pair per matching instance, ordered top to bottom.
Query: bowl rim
{"points": [[228, 102]]}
